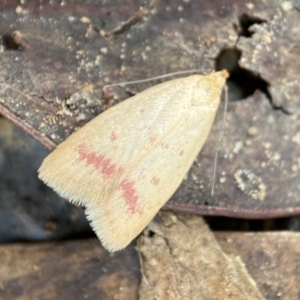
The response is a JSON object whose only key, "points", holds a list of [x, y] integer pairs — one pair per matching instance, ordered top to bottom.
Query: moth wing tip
{"points": [[113, 238]]}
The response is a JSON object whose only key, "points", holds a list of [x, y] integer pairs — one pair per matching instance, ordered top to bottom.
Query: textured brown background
{"points": [[55, 59]]}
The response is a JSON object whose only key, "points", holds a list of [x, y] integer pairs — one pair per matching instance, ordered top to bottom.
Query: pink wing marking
{"points": [[113, 136], [152, 140], [165, 145], [181, 152], [99, 161], [154, 180], [130, 195]]}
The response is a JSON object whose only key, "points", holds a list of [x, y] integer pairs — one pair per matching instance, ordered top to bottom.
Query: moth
{"points": [[127, 162]]}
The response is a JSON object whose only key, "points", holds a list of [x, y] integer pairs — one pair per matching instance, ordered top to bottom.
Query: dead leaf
{"points": [[180, 259], [67, 270]]}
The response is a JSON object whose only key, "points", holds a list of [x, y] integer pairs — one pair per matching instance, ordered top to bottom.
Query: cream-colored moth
{"points": [[128, 161]]}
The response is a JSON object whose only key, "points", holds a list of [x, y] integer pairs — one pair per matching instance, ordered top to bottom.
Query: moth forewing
{"points": [[127, 162]]}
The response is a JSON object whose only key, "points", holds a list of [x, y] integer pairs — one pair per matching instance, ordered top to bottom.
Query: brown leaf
{"points": [[57, 58], [180, 259], [272, 259], [82, 268], [68, 270]]}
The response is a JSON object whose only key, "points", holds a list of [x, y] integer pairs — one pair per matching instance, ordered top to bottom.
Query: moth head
{"points": [[208, 89]]}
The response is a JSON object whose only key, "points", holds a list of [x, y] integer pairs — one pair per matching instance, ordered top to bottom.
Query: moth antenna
{"points": [[154, 78], [219, 140]]}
